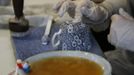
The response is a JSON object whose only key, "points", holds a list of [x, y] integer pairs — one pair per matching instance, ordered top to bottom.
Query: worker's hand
{"points": [[64, 6], [70, 6], [85, 10], [93, 13], [122, 31]]}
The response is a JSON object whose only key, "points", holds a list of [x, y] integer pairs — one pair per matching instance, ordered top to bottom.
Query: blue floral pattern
{"points": [[74, 36]]}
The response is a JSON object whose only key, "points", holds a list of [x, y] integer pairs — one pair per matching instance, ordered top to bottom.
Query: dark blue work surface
{"points": [[31, 44]]}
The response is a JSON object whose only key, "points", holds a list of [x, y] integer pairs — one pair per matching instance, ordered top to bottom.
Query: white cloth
{"points": [[122, 31]]}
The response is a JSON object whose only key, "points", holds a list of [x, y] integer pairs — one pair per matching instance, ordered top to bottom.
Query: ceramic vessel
{"points": [[72, 36], [92, 57]]}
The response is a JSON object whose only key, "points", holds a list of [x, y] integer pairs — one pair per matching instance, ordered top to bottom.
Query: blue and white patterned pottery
{"points": [[72, 36]]}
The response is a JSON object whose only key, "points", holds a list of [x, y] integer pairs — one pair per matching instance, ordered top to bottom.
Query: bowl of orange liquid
{"points": [[68, 63]]}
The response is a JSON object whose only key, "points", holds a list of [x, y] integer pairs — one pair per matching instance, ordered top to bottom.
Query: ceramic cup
{"points": [[72, 36]]}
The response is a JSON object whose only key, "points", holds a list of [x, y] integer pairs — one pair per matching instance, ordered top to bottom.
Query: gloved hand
{"points": [[64, 6], [73, 7], [86, 10], [94, 13], [122, 31]]}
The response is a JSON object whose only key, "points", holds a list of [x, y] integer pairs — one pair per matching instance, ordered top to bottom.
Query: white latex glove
{"points": [[64, 6], [73, 7], [94, 13], [122, 31]]}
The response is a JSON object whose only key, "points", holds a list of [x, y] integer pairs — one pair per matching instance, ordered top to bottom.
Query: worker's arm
{"points": [[121, 31]]}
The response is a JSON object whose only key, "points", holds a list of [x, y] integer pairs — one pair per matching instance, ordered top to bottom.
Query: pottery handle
{"points": [[55, 45]]}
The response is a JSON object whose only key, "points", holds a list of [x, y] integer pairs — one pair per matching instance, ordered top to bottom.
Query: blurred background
{"points": [[31, 8]]}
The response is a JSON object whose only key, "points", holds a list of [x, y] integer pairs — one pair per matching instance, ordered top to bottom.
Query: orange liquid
{"points": [[65, 66]]}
